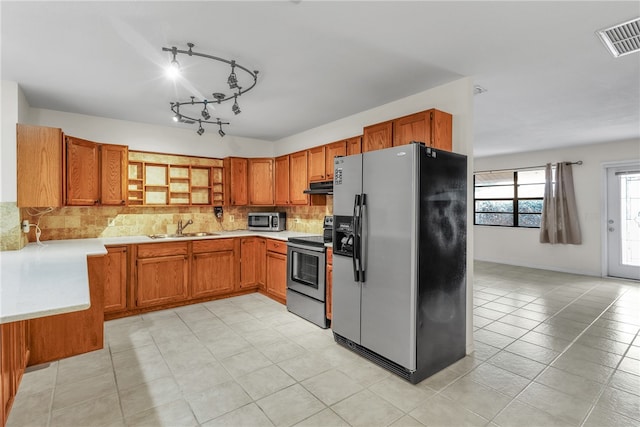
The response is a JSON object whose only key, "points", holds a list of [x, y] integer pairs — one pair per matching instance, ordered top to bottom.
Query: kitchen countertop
{"points": [[39, 281]]}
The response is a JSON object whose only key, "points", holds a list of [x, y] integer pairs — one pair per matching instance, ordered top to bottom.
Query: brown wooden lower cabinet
{"points": [[248, 252], [261, 263], [213, 267], [276, 269], [153, 276], [114, 277], [161, 280], [64, 335], [14, 355]]}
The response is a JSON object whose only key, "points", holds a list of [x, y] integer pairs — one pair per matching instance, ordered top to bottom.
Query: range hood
{"points": [[323, 187]]}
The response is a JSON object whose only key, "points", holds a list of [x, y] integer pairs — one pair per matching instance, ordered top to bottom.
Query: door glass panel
{"points": [[630, 218], [305, 269]]}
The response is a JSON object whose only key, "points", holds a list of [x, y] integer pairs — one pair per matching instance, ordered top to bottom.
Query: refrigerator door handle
{"points": [[362, 233], [355, 258]]}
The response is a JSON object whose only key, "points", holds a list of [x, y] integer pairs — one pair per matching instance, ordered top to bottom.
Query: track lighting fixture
{"points": [[218, 97], [235, 108], [176, 116]]}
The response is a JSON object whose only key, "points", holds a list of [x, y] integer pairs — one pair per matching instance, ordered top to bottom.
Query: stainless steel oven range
{"points": [[306, 263]]}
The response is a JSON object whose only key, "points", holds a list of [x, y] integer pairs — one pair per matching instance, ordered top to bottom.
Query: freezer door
{"points": [[347, 183], [389, 230]]}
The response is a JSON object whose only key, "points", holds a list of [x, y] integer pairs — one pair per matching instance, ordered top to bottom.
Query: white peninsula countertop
{"points": [[39, 281]]}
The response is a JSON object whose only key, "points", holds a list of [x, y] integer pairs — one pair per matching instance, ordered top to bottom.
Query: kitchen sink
{"points": [[178, 236]]}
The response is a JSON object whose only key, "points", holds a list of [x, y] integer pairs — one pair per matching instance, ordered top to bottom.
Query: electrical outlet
{"points": [[231, 218], [112, 222], [25, 226]]}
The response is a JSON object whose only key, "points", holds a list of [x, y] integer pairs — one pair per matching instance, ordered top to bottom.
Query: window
{"points": [[509, 198]]}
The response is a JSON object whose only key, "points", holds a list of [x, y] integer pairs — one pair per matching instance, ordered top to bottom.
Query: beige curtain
{"points": [[559, 212]]}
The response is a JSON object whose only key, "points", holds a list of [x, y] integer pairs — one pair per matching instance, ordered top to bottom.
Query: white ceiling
{"points": [[550, 81]]}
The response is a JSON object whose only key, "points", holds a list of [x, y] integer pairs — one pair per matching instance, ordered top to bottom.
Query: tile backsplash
{"points": [[106, 221], [11, 237]]}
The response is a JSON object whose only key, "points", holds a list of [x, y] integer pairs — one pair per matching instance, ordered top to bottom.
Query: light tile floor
{"points": [[551, 349]]}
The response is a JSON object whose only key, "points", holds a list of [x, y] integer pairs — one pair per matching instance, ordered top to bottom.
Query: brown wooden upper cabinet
{"points": [[433, 127], [377, 137], [354, 145], [333, 150], [316, 164], [39, 166], [260, 172], [96, 173], [113, 174], [281, 178], [298, 178], [235, 181]]}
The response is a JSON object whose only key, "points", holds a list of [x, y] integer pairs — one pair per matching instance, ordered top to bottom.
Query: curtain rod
{"points": [[579, 162]]}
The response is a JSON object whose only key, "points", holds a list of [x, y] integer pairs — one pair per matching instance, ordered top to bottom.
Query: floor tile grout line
{"points": [[115, 381], [602, 389], [594, 402]]}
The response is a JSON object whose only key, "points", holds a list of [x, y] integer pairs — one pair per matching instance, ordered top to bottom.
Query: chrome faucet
{"points": [[181, 228]]}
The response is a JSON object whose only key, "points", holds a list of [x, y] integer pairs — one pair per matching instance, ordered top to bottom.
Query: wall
{"points": [[451, 97], [455, 98], [13, 108], [145, 137], [521, 246]]}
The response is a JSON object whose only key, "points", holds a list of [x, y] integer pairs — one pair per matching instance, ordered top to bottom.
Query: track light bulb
{"points": [[173, 70], [205, 113], [176, 117], [200, 130], [221, 133]]}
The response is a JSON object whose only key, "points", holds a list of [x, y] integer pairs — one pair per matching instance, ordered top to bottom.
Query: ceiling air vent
{"points": [[622, 39]]}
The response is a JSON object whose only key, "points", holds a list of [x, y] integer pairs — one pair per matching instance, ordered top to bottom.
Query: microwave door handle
{"points": [[362, 235], [354, 254]]}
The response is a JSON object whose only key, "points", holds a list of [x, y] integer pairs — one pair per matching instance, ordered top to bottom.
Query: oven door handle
{"points": [[305, 248], [355, 259]]}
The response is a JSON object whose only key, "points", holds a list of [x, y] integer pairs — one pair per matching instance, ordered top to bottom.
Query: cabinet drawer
{"points": [[214, 245], [277, 246], [162, 249], [329, 256]]}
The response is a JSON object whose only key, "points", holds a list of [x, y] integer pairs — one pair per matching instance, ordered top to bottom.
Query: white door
{"points": [[623, 221]]}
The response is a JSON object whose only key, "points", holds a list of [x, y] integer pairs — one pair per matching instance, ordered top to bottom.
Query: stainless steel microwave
{"points": [[267, 221]]}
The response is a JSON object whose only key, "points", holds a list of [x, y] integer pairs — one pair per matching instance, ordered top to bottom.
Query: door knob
{"points": [[610, 221], [611, 229]]}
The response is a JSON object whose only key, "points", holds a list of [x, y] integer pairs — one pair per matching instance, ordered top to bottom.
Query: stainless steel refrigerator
{"points": [[399, 265]]}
